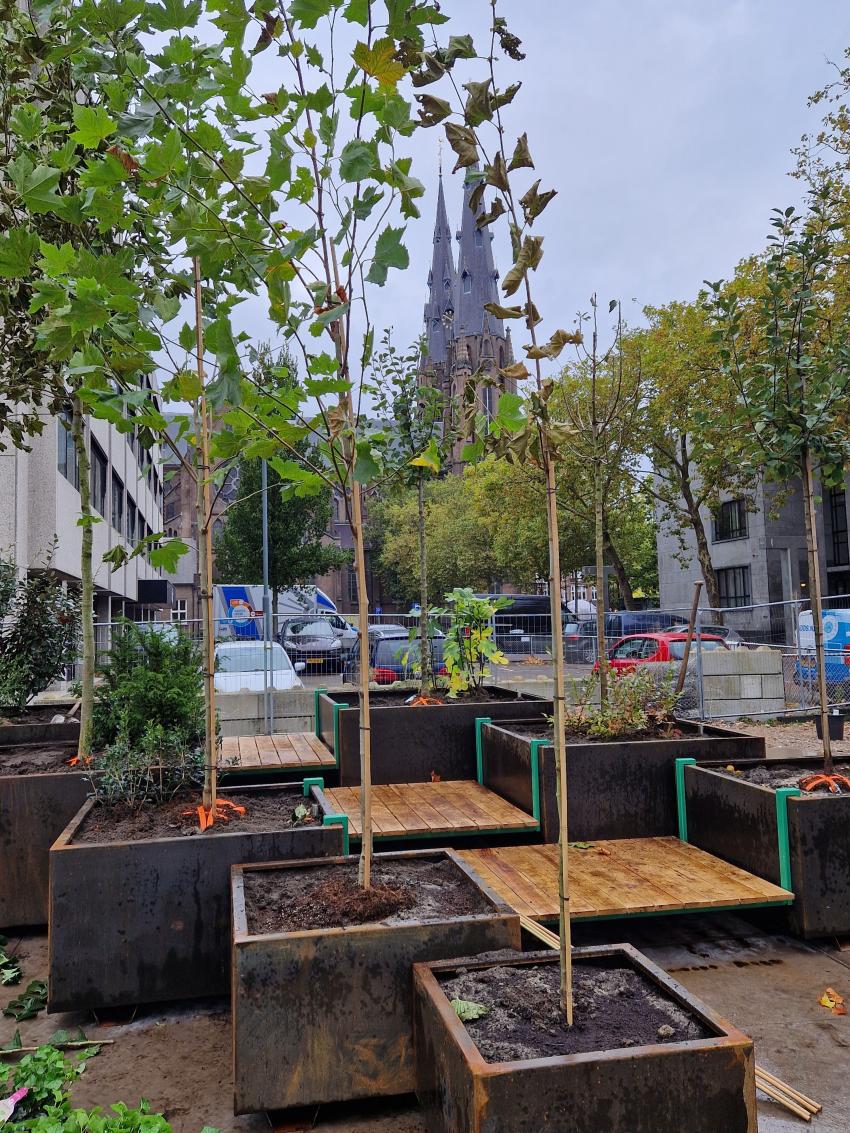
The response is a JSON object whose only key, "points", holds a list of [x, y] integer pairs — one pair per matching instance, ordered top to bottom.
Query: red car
{"points": [[641, 648]]}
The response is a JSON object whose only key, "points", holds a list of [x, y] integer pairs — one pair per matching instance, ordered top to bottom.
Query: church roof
{"points": [[476, 277], [441, 282]]}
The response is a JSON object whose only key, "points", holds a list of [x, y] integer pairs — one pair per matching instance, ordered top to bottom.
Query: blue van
{"points": [[836, 640]]}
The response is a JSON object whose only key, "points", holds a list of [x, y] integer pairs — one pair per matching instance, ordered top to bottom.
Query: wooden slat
{"points": [[230, 747], [302, 750], [267, 751], [617, 878]]}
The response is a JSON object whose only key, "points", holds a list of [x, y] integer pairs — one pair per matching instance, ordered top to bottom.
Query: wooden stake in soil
{"points": [[204, 508], [816, 596], [683, 668]]}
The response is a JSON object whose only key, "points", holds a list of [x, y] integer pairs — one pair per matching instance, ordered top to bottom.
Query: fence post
{"points": [[700, 688]]}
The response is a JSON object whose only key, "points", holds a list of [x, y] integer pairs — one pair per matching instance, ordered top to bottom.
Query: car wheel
{"points": [[589, 655]]}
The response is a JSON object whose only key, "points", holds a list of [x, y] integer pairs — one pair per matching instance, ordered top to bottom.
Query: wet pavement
{"points": [[766, 983]]}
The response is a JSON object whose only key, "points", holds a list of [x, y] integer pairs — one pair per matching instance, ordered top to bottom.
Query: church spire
{"points": [[476, 272], [441, 282]]}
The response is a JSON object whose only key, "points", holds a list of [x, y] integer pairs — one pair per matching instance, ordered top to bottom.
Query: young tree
{"points": [[787, 354], [417, 443]]}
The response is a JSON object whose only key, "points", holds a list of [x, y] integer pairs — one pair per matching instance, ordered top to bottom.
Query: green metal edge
{"points": [[317, 692], [480, 721], [536, 747], [316, 781], [783, 794], [681, 803], [339, 820]]}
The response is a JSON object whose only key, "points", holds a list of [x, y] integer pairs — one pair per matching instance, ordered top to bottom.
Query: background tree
{"points": [[788, 356], [297, 527]]}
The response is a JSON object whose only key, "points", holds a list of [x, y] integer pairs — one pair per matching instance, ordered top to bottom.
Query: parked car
{"points": [[624, 623], [731, 636], [316, 642], [580, 642], [647, 648], [394, 657], [239, 667]]}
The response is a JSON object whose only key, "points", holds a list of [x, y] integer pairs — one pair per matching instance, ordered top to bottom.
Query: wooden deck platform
{"points": [[287, 751], [423, 810], [626, 877]]}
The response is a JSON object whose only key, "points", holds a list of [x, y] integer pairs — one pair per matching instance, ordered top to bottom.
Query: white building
{"points": [[40, 505]]}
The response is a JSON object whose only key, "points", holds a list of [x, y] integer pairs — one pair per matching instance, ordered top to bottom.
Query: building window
{"points": [[479, 238], [467, 283], [66, 456], [97, 480], [117, 504], [131, 521], [730, 521], [838, 524], [352, 586], [734, 586], [180, 612]]}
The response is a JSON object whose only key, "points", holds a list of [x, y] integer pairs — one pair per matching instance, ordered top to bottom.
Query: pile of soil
{"points": [[652, 732], [32, 759], [775, 775], [263, 812], [329, 897], [614, 1007]]}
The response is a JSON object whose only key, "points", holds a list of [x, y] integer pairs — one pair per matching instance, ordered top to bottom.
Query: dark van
{"points": [[523, 626]]}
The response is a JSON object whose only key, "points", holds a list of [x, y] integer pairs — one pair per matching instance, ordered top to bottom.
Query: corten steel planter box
{"points": [[409, 743], [616, 789], [34, 810], [799, 841], [149, 921], [326, 1015], [701, 1086]]}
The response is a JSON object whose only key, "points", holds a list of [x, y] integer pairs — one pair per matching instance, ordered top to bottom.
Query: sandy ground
{"points": [[784, 738], [765, 982]]}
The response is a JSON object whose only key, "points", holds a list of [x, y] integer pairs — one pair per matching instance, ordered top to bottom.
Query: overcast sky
{"points": [[666, 126]]}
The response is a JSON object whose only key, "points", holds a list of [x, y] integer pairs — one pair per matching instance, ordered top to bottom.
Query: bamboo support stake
{"points": [[205, 560], [816, 597], [795, 1095], [782, 1099]]}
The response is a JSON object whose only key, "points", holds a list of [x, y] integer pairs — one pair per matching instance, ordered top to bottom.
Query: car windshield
{"points": [[571, 627], [318, 628], [677, 648], [249, 658]]}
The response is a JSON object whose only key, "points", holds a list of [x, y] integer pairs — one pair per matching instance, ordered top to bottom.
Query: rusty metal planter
{"points": [[409, 743], [616, 789], [34, 810], [801, 843], [148, 921], [326, 1015], [702, 1086]]}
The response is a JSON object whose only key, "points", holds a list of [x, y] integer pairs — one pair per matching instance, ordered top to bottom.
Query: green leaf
{"points": [[357, 12], [307, 13], [174, 15], [459, 47], [379, 61], [27, 122], [93, 125], [161, 159], [357, 161], [35, 184], [17, 249], [389, 253], [57, 261], [509, 412], [430, 458], [366, 465], [167, 554], [467, 1011]]}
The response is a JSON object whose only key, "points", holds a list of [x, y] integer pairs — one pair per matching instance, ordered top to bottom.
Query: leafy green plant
{"points": [[39, 633], [469, 648], [150, 680], [636, 701], [148, 771], [10, 966], [29, 1003], [46, 1074]]}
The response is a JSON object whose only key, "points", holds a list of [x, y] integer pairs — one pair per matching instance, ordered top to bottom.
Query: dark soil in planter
{"points": [[481, 696], [42, 715], [653, 732], [35, 759], [776, 775], [119, 823], [329, 897], [614, 1007]]}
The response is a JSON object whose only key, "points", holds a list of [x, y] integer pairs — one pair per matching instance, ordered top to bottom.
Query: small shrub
{"points": [[39, 633], [469, 647], [150, 679], [637, 700], [149, 771]]}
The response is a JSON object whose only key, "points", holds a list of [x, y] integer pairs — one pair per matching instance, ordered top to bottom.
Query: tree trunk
{"points": [[807, 476], [204, 524], [620, 572], [709, 574], [86, 580], [602, 656], [426, 682], [559, 732], [364, 871]]}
